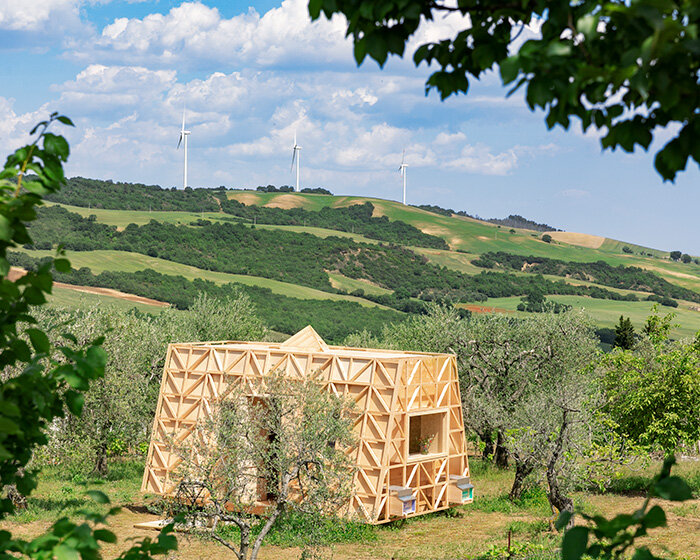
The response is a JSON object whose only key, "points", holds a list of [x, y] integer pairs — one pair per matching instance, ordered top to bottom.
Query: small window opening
{"points": [[426, 434]]}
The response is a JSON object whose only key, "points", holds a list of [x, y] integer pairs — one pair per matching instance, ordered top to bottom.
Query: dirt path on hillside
{"points": [[16, 273], [113, 293], [485, 309]]}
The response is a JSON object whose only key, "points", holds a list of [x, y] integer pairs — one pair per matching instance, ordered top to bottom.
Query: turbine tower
{"points": [[183, 136], [295, 156], [402, 170]]}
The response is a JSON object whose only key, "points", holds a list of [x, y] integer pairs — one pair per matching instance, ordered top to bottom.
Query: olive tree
{"points": [[523, 379], [118, 411], [278, 446]]}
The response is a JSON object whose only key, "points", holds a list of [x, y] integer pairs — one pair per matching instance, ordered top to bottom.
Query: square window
{"points": [[426, 433]]}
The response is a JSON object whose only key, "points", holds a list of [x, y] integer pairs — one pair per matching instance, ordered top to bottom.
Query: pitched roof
{"points": [[308, 339]]}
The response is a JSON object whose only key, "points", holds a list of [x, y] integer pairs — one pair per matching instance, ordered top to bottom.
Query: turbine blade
{"points": [[183, 118], [179, 141], [294, 156]]}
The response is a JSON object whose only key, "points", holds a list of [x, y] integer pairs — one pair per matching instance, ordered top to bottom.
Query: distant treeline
{"points": [[287, 188], [92, 193], [352, 219], [514, 220], [297, 258], [625, 277], [334, 320]]}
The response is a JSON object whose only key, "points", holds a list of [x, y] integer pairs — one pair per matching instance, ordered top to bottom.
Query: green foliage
{"points": [[626, 68], [94, 193], [513, 220], [547, 238], [284, 256], [600, 272], [535, 302], [279, 313], [624, 334], [519, 378], [41, 384], [652, 393], [533, 500], [528, 527], [293, 529], [612, 538], [520, 551]]}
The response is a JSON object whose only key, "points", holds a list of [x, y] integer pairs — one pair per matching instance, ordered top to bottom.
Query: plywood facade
{"points": [[401, 396]]}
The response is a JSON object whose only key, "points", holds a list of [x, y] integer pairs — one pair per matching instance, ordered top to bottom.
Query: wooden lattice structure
{"points": [[403, 398]]}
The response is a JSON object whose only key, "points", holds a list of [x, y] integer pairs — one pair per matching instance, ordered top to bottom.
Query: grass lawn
{"points": [[122, 218], [320, 232], [101, 260], [341, 282], [67, 297], [606, 312], [470, 531]]}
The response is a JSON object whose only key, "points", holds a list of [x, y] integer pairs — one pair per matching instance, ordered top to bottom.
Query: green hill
{"points": [[369, 252]]}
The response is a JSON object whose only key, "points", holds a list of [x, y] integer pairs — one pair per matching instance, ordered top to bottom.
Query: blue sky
{"points": [[253, 75]]}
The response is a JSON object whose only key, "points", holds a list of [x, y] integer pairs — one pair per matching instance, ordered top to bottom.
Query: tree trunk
{"points": [[487, 438], [501, 452], [101, 460], [522, 470], [18, 500], [557, 500], [265, 530], [245, 541]]}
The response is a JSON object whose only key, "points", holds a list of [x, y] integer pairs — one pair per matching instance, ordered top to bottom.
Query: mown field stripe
{"points": [[123, 261]]}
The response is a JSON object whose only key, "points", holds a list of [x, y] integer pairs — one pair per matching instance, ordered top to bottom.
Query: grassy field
{"points": [[122, 218], [320, 232], [464, 234], [477, 237], [99, 261], [341, 282], [67, 297], [606, 313], [472, 531]]}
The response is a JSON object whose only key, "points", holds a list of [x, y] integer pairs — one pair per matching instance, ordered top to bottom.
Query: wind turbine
{"points": [[183, 136], [295, 156], [402, 170]]}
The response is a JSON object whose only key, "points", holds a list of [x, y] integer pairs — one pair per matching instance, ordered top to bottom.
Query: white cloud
{"points": [[34, 15], [37, 24], [193, 35], [15, 127], [446, 138], [480, 159]]}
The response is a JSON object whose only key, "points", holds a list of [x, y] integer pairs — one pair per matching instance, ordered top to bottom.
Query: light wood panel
{"points": [[388, 388]]}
